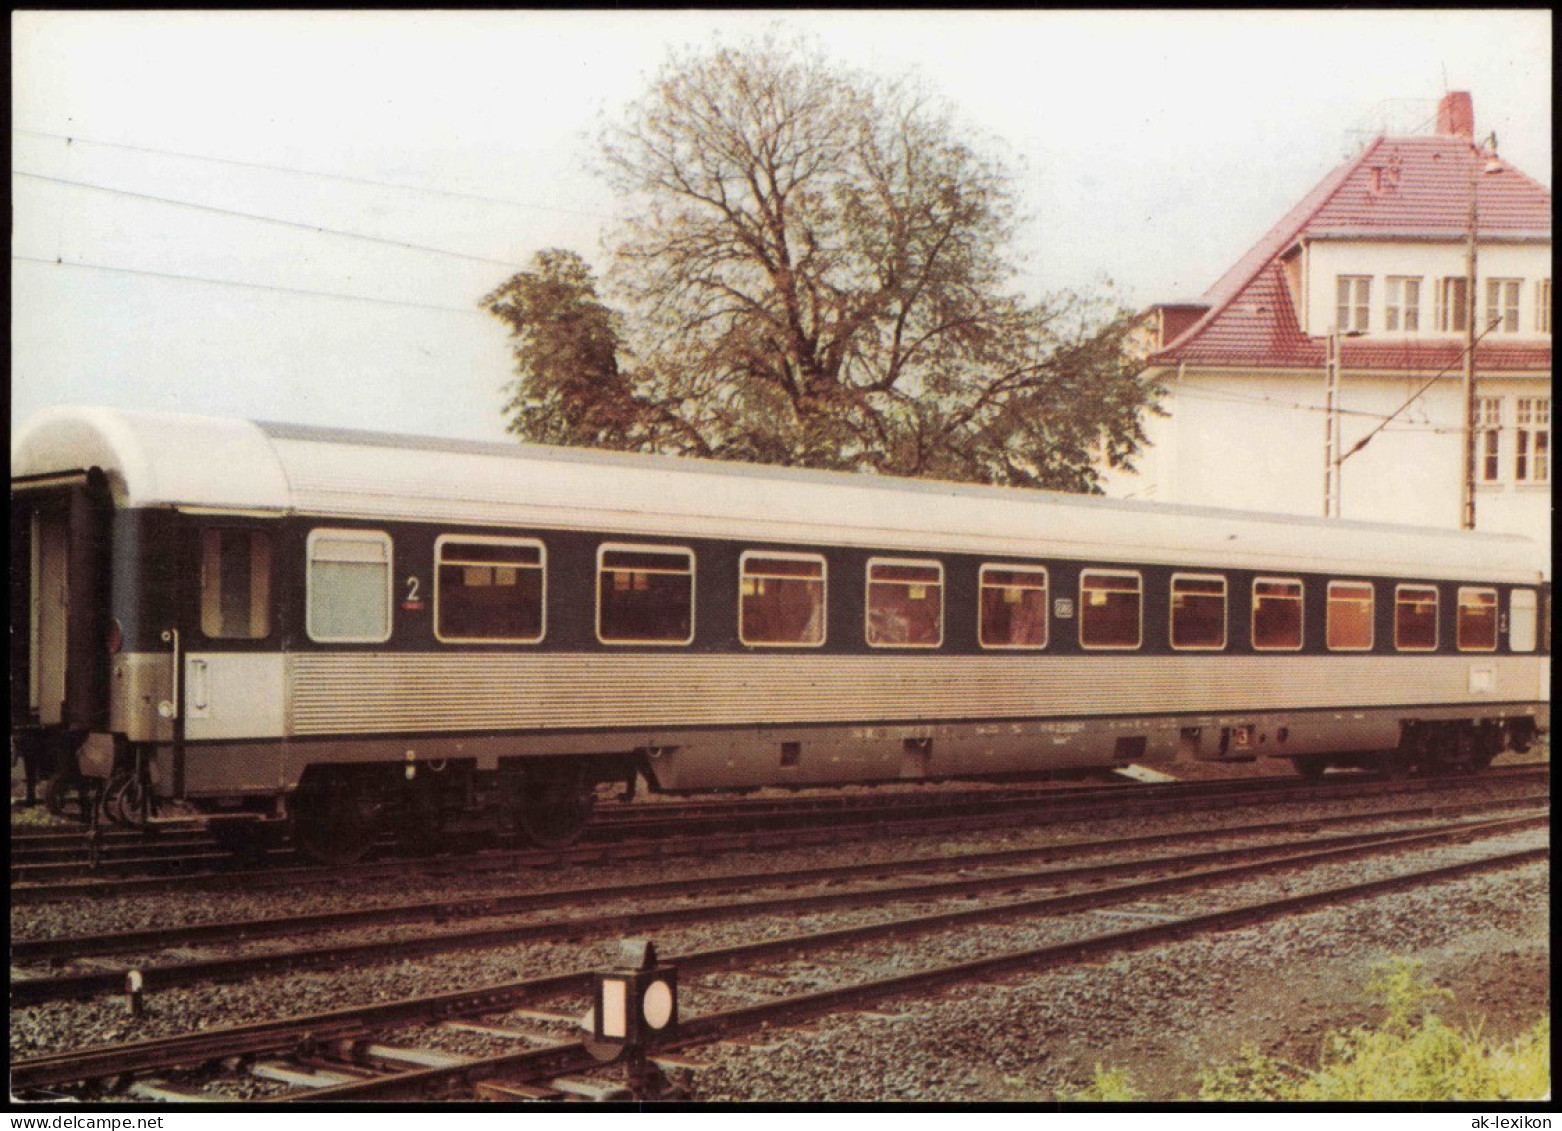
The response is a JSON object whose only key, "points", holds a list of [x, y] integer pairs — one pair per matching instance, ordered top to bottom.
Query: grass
{"points": [[1411, 1055]]}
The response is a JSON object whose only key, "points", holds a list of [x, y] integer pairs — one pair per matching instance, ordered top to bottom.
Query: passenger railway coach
{"points": [[354, 631]]}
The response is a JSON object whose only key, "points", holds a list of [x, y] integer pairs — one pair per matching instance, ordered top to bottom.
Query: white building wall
{"points": [[1325, 261], [1255, 441]]}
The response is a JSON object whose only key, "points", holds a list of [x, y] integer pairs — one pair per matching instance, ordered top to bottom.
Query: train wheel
{"points": [[1396, 763], [1310, 768], [57, 791], [555, 806], [336, 825], [420, 831], [246, 840]]}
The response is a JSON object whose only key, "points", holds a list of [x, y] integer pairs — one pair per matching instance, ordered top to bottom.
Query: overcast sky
{"points": [[1156, 147]]}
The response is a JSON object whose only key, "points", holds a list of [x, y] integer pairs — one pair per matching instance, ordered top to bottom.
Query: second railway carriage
{"points": [[352, 630]]}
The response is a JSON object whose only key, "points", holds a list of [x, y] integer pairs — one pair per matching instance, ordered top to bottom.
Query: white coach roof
{"points": [[165, 459]]}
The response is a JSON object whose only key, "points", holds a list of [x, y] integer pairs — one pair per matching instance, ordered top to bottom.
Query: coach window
{"points": [[235, 584], [489, 589], [348, 591], [645, 595], [781, 599], [905, 604], [1014, 606], [1109, 609], [1198, 611], [1277, 614], [1350, 616], [1415, 618], [1521, 620], [1476, 628]]}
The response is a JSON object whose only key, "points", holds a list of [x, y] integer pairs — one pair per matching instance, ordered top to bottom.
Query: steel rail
{"points": [[1061, 808], [60, 948], [33, 991], [283, 1034], [545, 1063]]}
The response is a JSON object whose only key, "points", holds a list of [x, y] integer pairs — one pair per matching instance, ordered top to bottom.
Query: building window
{"points": [[1352, 301], [1453, 304], [1403, 305], [1502, 305], [1543, 306], [1488, 423], [1532, 440], [235, 584], [348, 586], [488, 589], [645, 595], [781, 599], [905, 604], [1014, 606], [1109, 609], [1198, 611], [1277, 614], [1350, 616], [1415, 618], [1521, 620], [1476, 626]]}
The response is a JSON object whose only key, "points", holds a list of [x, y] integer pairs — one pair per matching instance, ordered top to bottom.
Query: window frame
{"points": [[1353, 301], [1402, 304], [1543, 306], [1502, 315], [1453, 317], [1488, 424], [1532, 439], [381, 537], [493, 540], [641, 548], [1138, 592], [266, 596], [824, 596], [867, 599], [1459, 607], [1046, 611], [1225, 612], [1372, 612], [1533, 613], [1437, 617], [1301, 620]]}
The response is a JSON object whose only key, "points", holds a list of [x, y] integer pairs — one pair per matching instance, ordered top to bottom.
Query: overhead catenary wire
{"points": [[71, 139], [298, 224], [246, 286], [1228, 396]]}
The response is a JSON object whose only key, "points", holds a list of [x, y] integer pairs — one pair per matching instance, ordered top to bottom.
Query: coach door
{"points": [[59, 592], [232, 662]]}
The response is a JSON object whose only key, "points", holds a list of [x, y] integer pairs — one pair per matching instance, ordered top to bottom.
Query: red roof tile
{"points": [[1407, 187]]}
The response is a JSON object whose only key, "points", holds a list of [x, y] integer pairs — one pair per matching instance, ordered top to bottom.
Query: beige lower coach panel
{"points": [[367, 693], [763, 756]]}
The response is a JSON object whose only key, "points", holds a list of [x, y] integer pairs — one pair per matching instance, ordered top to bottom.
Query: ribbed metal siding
{"points": [[367, 693]]}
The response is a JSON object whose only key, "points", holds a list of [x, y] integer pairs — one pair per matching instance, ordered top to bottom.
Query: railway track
{"points": [[670, 829], [356, 1053]]}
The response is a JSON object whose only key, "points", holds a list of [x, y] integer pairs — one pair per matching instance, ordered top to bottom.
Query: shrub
{"points": [[1412, 1055]]}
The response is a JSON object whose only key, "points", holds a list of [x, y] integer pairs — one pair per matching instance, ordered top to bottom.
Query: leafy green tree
{"points": [[813, 273], [568, 388]]}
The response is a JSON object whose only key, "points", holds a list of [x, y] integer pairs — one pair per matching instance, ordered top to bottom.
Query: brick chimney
{"points": [[1456, 115]]}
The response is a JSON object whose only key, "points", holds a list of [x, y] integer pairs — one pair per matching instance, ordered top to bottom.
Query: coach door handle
{"points": [[169, 708]]}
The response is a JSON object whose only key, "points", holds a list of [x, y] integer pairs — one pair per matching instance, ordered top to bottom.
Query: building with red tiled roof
{"points": [[1373, 261]]}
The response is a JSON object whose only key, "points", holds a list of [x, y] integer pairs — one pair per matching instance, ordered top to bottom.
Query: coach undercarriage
{"points": [[338, 812]]}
